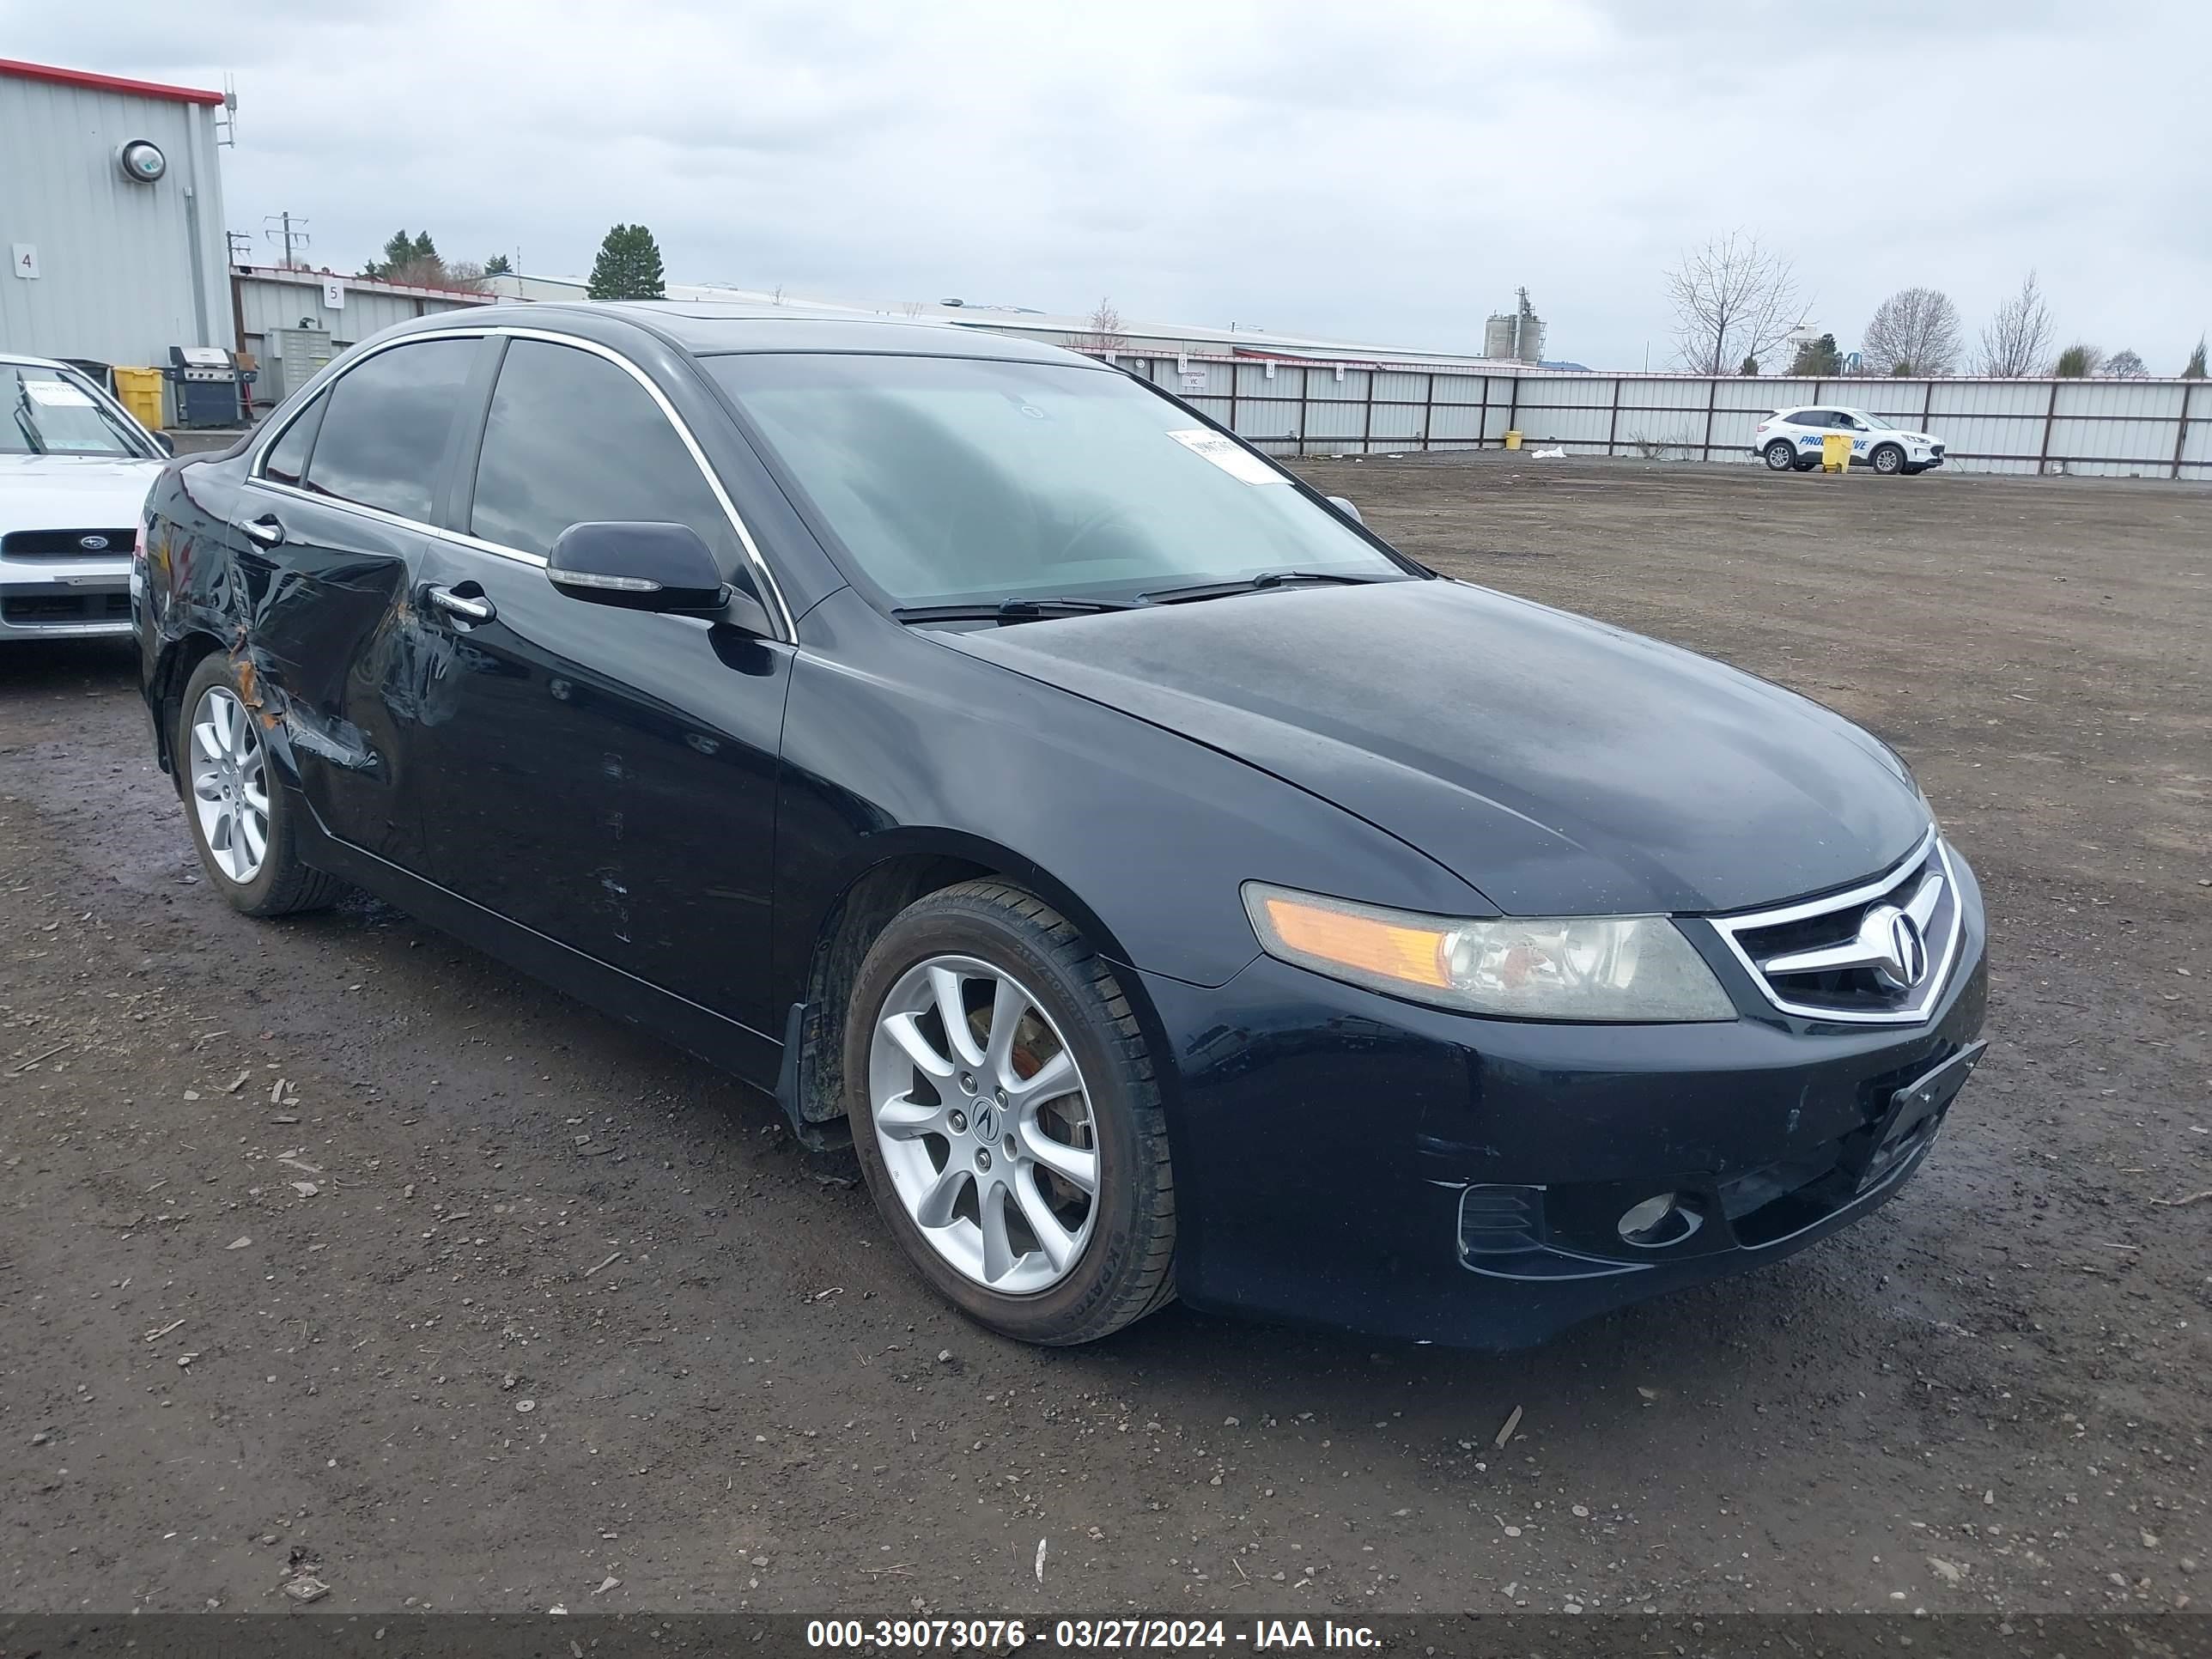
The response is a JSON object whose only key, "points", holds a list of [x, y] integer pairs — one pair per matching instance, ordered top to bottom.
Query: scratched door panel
{"points": [[330, 617], [607, 777]]}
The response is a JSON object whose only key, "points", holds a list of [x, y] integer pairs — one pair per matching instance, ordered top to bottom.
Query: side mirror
{"points": [[164, 442], [1343, 504], [642, 566]]}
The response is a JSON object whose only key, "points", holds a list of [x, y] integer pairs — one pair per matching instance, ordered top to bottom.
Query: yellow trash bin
{"points": [[139, 391], [1513, 440], [1835, 452]]}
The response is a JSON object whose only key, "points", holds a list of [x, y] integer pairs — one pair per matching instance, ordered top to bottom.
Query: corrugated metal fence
{"points": [[2112, 428]]}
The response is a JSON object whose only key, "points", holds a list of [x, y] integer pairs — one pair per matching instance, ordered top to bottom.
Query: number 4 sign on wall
{"points": [[24, 257]]}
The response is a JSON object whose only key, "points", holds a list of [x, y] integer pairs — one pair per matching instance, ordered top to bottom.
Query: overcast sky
{"points": [[1385, 172]]}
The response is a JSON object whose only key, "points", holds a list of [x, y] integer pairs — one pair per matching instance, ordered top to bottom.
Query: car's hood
{"points": [[73, 492], [1560, 766]]}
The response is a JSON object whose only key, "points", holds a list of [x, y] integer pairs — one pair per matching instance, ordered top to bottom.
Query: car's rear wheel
{"points": [[1781, 455], [1887, 459], [238, 811], [1005, 1113]]}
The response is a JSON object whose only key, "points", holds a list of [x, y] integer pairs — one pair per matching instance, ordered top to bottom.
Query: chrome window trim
{"points": [[398, 520], [772, 591], [1939, 972]]}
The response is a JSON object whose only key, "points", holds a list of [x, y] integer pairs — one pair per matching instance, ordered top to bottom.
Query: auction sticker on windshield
{"points": [[57, 394], [1231, 457]]}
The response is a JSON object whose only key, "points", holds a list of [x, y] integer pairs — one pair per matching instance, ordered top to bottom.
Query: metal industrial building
{"points": [[111, 215], [291, 321]]}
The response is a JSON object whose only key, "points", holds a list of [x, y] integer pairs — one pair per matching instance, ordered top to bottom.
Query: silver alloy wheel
{"points": [[1780, 457], [1889, 459], [230, 784], [985, 1124]]}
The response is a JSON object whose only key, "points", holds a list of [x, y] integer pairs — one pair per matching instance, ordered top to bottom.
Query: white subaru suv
{"points": [[1791, 437], [75, 468]]}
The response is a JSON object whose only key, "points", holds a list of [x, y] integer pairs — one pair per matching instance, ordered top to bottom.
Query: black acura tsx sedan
{"points": [[1171, 888]]}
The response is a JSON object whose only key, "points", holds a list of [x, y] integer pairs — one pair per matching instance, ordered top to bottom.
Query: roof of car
{"points": [[710, 328], [35, 363]]}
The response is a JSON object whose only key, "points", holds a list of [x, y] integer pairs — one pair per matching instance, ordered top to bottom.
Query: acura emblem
{"points": [[93, 544], [1895, 949]]}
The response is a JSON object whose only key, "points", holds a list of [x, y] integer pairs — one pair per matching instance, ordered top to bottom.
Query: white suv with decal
{"points": [[1791, 437]]}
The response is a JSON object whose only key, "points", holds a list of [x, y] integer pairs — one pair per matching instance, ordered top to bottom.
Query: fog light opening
{"points": [[1661, 1220]]}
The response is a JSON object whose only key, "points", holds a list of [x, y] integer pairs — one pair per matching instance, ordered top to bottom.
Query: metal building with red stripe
{"points": [[111, 217]]}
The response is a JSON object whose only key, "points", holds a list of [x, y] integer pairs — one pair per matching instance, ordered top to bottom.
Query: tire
{"points": [[1781, 455], [1887, 459], [277, 884], [940, 1165]]}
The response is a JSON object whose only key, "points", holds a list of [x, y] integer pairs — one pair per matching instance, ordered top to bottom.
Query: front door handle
{"points": [[265, 530], [468, 608]]}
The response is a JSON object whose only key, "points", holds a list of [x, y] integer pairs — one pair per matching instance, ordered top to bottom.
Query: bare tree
{"points": [[1733, 298], [1105, 324], [1914, 332], [2017, 342], [2127, 365]]}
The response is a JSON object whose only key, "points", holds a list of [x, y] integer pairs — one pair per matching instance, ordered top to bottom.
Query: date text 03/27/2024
{"points": [[1083, 1634]]}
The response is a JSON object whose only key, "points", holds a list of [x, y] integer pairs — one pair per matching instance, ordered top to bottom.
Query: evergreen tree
{"points": [[499, 266], [629, 266], [1819, 359]]}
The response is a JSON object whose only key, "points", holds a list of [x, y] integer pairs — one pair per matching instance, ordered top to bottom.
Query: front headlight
{"points": [[1572, 968]]}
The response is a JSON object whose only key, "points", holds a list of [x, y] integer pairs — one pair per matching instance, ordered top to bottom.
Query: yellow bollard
{"points": [[1835, 452]]}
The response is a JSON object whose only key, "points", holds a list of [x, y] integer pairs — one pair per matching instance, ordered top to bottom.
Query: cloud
{"points": [[1380, 173]]}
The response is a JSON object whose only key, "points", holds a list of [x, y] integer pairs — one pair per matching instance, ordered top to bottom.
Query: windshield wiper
{"points": [[26, 421], [1266, 579], [1008, 610]]}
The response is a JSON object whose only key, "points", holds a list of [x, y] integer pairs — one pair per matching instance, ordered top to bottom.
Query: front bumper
{"points": [[65, 598], [1347, 1159]]}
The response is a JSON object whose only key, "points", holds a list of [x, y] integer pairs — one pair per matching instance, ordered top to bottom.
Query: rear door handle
{"points": [[265, 530], [468, 609]]}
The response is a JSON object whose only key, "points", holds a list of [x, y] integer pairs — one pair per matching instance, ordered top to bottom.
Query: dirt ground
{"points": [[333, 1244]]}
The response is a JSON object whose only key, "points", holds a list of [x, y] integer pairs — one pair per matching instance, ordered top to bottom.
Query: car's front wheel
{"points": [[1781, 455], [1888, 460], [238, 813], [1006, 1116]]}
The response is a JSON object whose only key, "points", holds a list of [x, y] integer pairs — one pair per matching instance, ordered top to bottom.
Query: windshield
{"points": [[50, 412], [1873, 421], [950, 479]]}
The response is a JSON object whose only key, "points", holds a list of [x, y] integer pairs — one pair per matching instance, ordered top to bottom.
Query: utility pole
{"points": [[290, 234], [240, 245]]}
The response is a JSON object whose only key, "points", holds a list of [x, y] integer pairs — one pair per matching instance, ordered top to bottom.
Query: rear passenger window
{"points": [[1809, 417], [386, 425], [573, 439], [288, 457]]}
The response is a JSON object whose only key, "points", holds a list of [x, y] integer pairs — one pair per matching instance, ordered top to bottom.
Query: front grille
{"points": [[1936, 450], [66, 544], [63, 610], [1846, 957]]}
